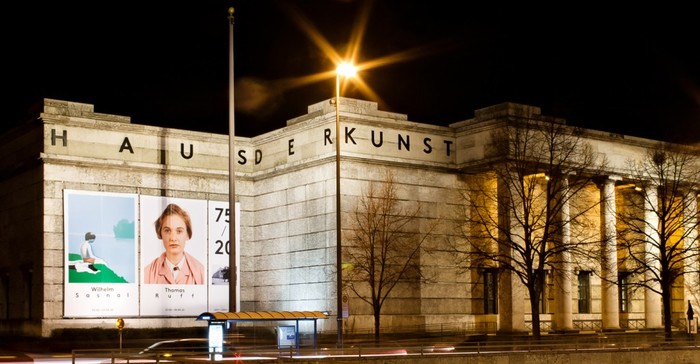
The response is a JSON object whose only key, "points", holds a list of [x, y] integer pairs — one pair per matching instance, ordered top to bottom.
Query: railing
{"points": [[633, 324], [680, 324], [545, 325], [588, 325], [597, 325], [491, 327], [444, 329], [587, 343]]}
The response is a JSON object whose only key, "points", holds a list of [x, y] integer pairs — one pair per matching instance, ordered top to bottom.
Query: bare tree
{"points": [[531, 214], [659, 225], [385, 245]]}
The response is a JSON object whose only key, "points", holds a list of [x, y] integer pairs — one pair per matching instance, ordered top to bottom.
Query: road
{"points": [[574, 345]]}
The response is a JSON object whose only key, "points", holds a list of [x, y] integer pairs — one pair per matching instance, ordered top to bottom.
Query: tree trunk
{"points": [[666, 302], [535, 309], [376, 325]]}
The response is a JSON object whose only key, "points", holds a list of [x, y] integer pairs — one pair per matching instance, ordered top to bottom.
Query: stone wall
{"points": [[285, 183]]}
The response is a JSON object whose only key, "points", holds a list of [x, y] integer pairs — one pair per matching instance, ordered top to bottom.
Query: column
{"points": [[690, 217], [609, 290], [511, 292], [652, 300], [563, 315]]}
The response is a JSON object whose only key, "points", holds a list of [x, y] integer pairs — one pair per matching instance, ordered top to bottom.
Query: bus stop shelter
{"points": [[217, 320]]}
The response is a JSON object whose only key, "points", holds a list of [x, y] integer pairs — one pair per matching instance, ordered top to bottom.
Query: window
{"points": [[624, 284], [490, 291], [584, 292], [544, 295]]}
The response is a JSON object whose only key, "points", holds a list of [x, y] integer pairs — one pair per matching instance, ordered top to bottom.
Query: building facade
{"points": [[71, 173]]}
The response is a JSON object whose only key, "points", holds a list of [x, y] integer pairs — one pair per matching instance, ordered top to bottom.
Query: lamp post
{"points": [[346, 70], [233, 269], [120, 326]]}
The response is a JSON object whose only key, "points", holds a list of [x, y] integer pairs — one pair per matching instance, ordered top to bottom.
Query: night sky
{"points": [[634, 70]]}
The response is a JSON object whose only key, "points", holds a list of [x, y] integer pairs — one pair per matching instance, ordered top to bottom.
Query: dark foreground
{"points": [[600, 348]]}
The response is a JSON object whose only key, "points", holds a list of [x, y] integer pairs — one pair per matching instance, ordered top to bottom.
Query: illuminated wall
{"points": [[71, 170]]}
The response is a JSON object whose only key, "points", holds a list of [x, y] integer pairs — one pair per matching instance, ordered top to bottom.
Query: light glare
{"points": [[346, 69]]}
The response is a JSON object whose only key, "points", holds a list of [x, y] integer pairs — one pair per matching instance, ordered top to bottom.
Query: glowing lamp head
{"points": [[346, 69]]}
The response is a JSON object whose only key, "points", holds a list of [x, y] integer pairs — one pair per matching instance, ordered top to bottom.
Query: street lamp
{"points": [[346, 70], [233, 269]]}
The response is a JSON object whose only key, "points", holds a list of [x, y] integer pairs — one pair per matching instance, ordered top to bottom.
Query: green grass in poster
{"points": [[105, 275]]}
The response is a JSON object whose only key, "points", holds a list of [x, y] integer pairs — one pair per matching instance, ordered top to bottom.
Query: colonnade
{"points": [[512, 292]]}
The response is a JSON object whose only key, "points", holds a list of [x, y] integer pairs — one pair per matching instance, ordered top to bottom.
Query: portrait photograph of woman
{"points": [[173, 256], [174, 265]]}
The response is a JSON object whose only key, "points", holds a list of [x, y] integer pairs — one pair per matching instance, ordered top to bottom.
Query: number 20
{"points": [[222, 248]]}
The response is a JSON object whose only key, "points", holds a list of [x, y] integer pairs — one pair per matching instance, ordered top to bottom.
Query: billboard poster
{"points": [[219, 252], [100, 271], [174, 275], [286, 337]]}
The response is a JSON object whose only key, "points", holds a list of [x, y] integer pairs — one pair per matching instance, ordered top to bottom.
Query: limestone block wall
{"points": [[86, 151], [285, 184], [291, 250], [294, 264], [444, 296]]}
